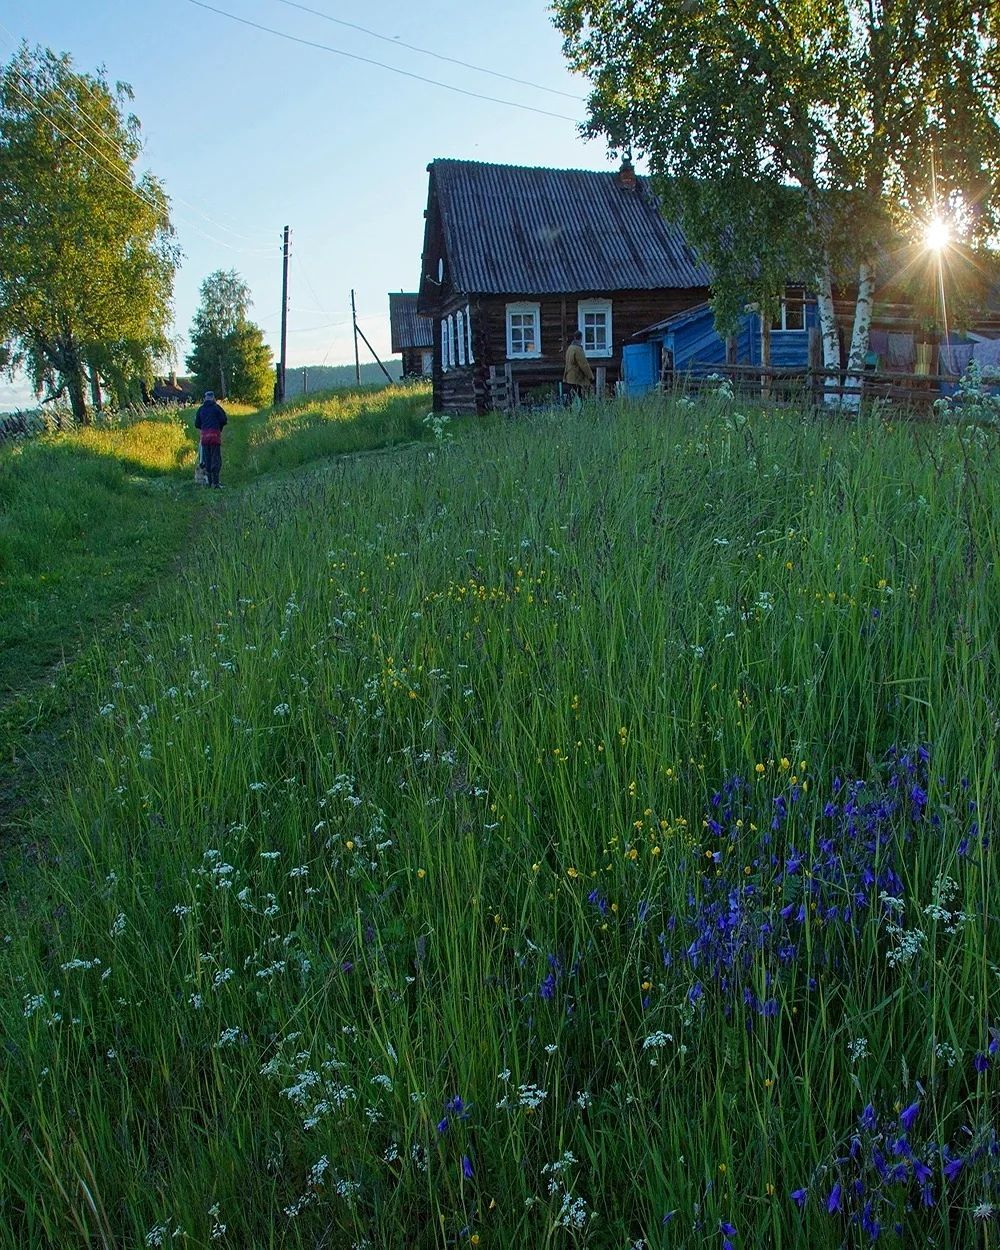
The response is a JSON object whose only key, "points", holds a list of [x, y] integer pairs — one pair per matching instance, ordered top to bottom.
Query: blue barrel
{"points": [[640, 367]]}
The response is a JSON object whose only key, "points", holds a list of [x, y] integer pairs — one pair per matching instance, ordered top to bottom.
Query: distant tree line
{"points": [[336, 377]]}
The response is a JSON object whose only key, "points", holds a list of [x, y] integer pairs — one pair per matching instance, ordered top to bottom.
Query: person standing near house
{"points": [[578, 375], [210, 419]]}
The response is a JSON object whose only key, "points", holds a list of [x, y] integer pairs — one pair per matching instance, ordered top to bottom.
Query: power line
{"points": [[399, 43], [405, 73], [93, 153], [96, 154]]}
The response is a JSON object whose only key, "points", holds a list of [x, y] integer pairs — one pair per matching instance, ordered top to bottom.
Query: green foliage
{"points": [[801, 137], [88, 256], [228, 353], [396, 797]]}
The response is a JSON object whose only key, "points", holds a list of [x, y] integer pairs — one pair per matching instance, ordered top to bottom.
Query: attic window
{"points": [[524, 335]]}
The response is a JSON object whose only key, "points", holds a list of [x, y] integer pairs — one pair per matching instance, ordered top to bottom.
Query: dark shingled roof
{"points": [[509, 229], [405, 327]]}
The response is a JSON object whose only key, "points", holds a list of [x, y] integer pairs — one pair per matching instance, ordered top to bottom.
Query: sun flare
{"points": [[937, 235]]}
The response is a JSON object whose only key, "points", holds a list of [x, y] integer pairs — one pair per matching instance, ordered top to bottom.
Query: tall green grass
{"points": [[363, 916]]}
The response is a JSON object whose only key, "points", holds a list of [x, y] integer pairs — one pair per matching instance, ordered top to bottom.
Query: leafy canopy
{"points": [[879, 115], [88, 257], [228, 353]]}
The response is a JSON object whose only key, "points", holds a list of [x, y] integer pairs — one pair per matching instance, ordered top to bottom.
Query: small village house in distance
{"points": [[517, 259], [412, 335]]}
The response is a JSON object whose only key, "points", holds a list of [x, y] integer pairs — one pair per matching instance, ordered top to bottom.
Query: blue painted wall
{"points": [[698, 348]]}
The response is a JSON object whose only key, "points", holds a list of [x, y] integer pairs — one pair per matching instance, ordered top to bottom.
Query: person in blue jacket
{"points": [[210, 419]]}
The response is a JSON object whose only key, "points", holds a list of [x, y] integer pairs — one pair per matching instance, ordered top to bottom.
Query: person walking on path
{"points": [[578, 375], [210, 419]]}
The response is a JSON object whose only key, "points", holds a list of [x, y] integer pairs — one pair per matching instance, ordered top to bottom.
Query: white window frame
{"points": [[793, 295], [596, 306], [522, 309], [460, 335], [468, 335], [451, 341], [444, 344]]}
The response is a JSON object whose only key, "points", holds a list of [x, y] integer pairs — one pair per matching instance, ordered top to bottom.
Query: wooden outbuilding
{"points": [[517, 259], [412, 335]]}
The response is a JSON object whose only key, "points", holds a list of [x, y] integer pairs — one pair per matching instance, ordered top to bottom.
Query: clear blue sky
{"points": [[249, 132]]}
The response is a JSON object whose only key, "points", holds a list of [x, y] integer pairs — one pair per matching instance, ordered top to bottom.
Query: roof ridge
{"points": [[548, 169]]}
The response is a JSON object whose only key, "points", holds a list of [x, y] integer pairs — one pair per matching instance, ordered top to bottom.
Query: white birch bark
{"points": [[828, 332], [861, 336]]}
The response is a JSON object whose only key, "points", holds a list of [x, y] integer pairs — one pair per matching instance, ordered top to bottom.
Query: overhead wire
{"points": [[439, 56], [365, 60], [98, 157], [122, 175]]}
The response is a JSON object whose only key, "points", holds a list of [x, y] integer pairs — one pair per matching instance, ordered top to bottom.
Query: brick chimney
{"points": [[626, 175]]}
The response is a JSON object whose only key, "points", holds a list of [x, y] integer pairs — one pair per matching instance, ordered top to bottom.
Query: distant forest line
{"points": [[333, 377]]}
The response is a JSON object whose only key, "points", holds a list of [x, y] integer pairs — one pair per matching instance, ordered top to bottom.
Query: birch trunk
{"points": [[828, 334], [861, 336]]}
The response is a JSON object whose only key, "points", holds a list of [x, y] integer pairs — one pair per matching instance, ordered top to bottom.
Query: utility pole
{"points": [[284, 316], [357, 361]]}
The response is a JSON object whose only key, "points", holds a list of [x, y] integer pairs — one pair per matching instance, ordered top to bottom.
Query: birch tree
{"points": [[880, 115], [88, 257], [228, 353]]}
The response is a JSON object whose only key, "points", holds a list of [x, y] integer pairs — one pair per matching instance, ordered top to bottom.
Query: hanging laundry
{"points": [[902, 353], [986, 353], [955, 358]]}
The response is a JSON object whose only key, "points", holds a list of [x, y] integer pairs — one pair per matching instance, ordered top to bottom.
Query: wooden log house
{"points": [[517, 259], [412, 336]]}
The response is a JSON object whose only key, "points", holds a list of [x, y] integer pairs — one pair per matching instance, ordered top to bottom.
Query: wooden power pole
{"points": [[284, 316], [357, 360]]}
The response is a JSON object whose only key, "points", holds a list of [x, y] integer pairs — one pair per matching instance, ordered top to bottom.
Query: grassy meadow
{"points": [[576, 832]]}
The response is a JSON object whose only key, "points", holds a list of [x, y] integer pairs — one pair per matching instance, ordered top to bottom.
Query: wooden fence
{"points": [[798, 387]]}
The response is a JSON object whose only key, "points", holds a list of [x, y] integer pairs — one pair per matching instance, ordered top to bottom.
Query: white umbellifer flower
{"points": [[282, 709], [301, 871], [118, 925], [85, 964], [221, 977], [196, 1002], [33, 1003], [228, 1037], [655, 1040], [551, 1048], [857, 1049], [384, 1081], [566, 1160], [318, 1170], [984, 1211], [573, 1213], [218, 1229], [156, 1235]]}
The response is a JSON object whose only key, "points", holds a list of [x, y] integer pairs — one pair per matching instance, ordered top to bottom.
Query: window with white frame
{"points": [[793, 310], [594, 323], [524, 331], [468, 334], [460, 335], [451, 343], [444, 344]]}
